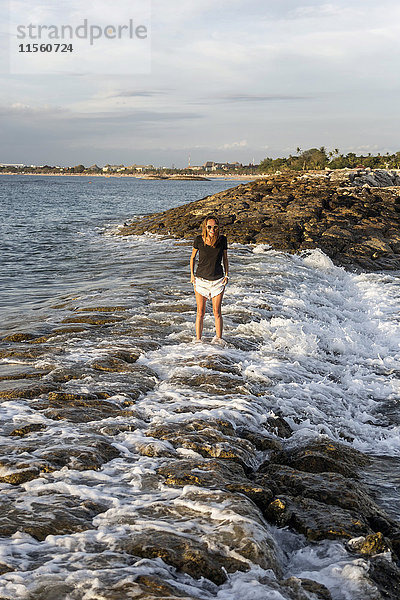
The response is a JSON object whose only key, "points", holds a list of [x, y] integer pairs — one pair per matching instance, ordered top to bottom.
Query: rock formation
{"points": [[353, 216]]}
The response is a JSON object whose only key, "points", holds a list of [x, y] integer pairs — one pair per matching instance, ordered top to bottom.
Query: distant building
{"points": [[214, 166]]}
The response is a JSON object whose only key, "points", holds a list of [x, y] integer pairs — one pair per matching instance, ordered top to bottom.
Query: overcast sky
{"points": [[229, 81]]}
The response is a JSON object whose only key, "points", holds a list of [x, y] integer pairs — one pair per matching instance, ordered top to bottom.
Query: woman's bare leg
{"points": [[217, 303], [201, 309]]}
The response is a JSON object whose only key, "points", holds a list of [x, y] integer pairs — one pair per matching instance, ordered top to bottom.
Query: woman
{"points": [[211, 279]]}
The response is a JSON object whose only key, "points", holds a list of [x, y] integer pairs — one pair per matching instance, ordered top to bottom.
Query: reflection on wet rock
{"points": [[23, 389], [26, 429], [87, 454], [324, 455], [49, 515], [370, 545], [185, 554]]}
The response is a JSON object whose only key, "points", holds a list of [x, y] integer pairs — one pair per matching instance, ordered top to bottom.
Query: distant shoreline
{"points": [[139, 176]]}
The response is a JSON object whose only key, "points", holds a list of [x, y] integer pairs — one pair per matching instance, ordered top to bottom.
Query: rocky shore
{"points": [[353, 216], [229, 480]]}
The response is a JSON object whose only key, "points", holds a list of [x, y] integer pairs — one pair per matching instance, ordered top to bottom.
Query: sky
{"points": [[223, 81]]}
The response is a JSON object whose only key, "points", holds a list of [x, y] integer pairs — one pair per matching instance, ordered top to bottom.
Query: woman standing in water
{"points": [[210, 279]]}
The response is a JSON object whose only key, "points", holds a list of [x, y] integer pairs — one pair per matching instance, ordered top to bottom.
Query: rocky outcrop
{"points": [[353, 216]]}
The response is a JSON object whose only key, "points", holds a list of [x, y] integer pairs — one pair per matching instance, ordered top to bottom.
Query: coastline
{"points": [[139, 176]]}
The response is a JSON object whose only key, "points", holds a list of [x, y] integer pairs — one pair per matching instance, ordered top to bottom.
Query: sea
{"points": [[321, 345]]}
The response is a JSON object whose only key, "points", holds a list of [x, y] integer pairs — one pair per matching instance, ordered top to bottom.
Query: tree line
{"points": [[320, 158]]}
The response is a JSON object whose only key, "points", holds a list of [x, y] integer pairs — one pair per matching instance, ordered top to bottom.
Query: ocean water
{"points": [[305, 339]]}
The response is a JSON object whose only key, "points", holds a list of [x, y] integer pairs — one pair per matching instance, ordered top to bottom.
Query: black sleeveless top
{"points": [[210, 258]]}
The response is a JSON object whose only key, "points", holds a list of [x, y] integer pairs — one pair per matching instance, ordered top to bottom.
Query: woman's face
{"points": [[212, 228]]}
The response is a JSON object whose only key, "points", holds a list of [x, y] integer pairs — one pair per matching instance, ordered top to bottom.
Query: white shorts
{"points": [[209, 288]]}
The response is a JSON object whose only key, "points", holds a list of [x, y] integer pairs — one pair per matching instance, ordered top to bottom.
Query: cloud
{"points": [[135, 94], [262, 98], [230, 146]]}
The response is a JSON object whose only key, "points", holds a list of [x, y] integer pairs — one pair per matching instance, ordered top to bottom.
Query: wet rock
{"points": [[108, 309], [93, 320], [69, 330], [19, 337], [24, 354], [129, 356], [220, 364], [112, 365], [13, 372], [64, 374], [218, 384], [23, 389], [72, 399], [85, 414], [77, 416], [278, 426], [29, 428], [118, 428], [168, 430], [206, 441], [259, 441], [155, 449], [82, 455], [323, 455], [214, 474], [20, 475], [332, 489], [48, 515], [315, 520], [239, 531], [370, 545], [185, 554], [5, 569], [386, 576], [145, 587], [158, 587], [300, 589]]}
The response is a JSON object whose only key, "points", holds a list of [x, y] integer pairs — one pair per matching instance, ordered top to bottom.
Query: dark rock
{"points": [[108, 309], [93, 319], [18, 337], [24, 354], [112, 365], [13, 372], [213, 383], [22, 388], [278, 426], [26, 429], [201, 437], [259, 441], [85, 455], [322, 455], [215, 474], [20, 475], [332, 489], [49, 515], [315, 520], [370, 545], [185, 554], [5, 569], [386, 576], [145, 587], [301, 588]]}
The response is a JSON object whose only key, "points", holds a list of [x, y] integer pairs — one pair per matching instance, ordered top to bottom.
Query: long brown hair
{"points": [[204, 228]]}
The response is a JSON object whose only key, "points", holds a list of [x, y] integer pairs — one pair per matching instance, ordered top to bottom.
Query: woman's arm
{"points": [[192, 259], [226, 265]]}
